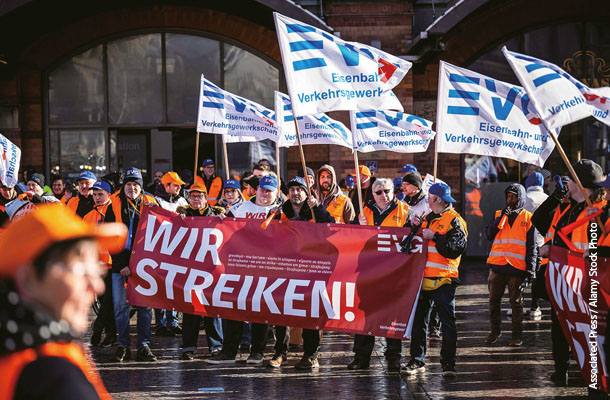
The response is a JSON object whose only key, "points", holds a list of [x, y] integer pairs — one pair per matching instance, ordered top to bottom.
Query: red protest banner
{"points": [[333, 277], [577, 292]]}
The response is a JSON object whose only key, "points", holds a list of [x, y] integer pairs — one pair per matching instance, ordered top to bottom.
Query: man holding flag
{"points": [[331, 196], [550, 217]]}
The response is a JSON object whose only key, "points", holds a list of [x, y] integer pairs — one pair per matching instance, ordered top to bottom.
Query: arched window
{"points": [[132, 101]]}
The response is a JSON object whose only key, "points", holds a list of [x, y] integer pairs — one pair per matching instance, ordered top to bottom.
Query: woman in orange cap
{"points": [[49, 275]]}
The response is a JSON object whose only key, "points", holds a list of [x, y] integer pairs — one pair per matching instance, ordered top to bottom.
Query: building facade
{"points": [[108, 85]]}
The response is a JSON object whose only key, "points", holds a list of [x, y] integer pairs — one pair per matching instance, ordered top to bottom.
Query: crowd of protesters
{"points": [[520, 234]]}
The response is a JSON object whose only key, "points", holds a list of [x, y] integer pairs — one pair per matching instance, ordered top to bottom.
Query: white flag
{"points": [[325, 73], [558, 97], [222, 112], [480, 115], [314, 129], [390, 130], [9, 163], [429, 181]]}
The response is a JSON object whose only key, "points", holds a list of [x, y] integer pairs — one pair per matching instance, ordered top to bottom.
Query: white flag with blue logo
{"points": [[325, 73], [558, 97], [222, 112], [480, 115], [314, 129], [390, 130], [9, 163]]}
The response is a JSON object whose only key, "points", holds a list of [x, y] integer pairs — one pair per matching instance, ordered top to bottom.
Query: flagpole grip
{"points": [[296, 125], [196, 156], [226, 157], [277, 164], [574, 176], [358, 186]]}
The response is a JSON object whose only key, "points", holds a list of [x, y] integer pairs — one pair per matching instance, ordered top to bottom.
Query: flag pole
{"points": [[296, 125], [355, 151], [196, 156], [226, 157], [565, 159], [277, 164], [435, 168], [358, 186]]}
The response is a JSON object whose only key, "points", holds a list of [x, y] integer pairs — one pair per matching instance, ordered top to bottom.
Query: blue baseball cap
{"points": [[207, 161], [408, 168], [134, 174], [86, 175], [349, 180], [297, 181], [268, 182], [232, 183], [397, 183], [605, 183], [101, 185], [443, 191]]}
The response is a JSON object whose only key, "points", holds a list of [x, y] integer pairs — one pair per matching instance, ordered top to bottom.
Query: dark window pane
{"points": [[554, 43], [187, 57], [596, 58], [494, 64], [250, 76], [255, 79], [134, 80], [76, 89], [9, 117], [82, 149], [132, 150]]}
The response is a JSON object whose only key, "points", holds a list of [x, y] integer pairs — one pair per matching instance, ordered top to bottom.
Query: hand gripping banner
{"points": [[346, 278], [580, 297]]}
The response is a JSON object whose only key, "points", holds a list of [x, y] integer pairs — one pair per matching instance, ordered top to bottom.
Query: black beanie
{"points": [[414, 178]]}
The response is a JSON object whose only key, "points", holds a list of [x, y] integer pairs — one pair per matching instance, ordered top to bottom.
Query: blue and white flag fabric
{"points": [[325, 73], [558, 97], [223, 113], [480, 115], [314, 129], [390, 130], [230, 138], [9, 162]]}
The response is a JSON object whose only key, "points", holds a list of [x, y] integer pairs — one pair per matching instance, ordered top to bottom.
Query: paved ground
{"points": [[484, 372]]}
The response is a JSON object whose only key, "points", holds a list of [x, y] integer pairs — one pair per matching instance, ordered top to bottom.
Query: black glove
{"points": [[559, 194], [506, 211]]}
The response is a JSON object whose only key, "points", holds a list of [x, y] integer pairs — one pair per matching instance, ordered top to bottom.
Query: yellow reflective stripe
{"points": [[512, 241], [581, 245], [507, 254], [440, 266]]}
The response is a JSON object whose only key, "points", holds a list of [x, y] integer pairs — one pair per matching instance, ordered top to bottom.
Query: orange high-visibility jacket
{"points": [[510, 242], [438, 266]]}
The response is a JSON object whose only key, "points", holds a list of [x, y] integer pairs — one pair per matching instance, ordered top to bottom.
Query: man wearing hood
{"points": [[535, 196], [331, 197], [511, 260]]}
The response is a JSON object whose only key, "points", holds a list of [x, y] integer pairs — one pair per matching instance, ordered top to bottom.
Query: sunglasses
{"points": [[386, 191]]}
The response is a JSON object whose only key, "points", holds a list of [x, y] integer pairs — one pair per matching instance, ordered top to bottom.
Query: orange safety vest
{"points": [[214, 191], [245, 193], [473, 203], [72, 204], [116, 205], [336, 207], [94, 217], [397, 218], [580, 238], [605, 242], [509, 245], [438, 266], [11, 366]]}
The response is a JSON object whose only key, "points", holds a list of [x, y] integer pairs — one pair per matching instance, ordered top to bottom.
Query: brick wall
{"points": [[365, 22]]}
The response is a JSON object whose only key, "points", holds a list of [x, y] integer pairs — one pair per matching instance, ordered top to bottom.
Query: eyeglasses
{"points": [[386, 191], [197, 196], [83, 269]]}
